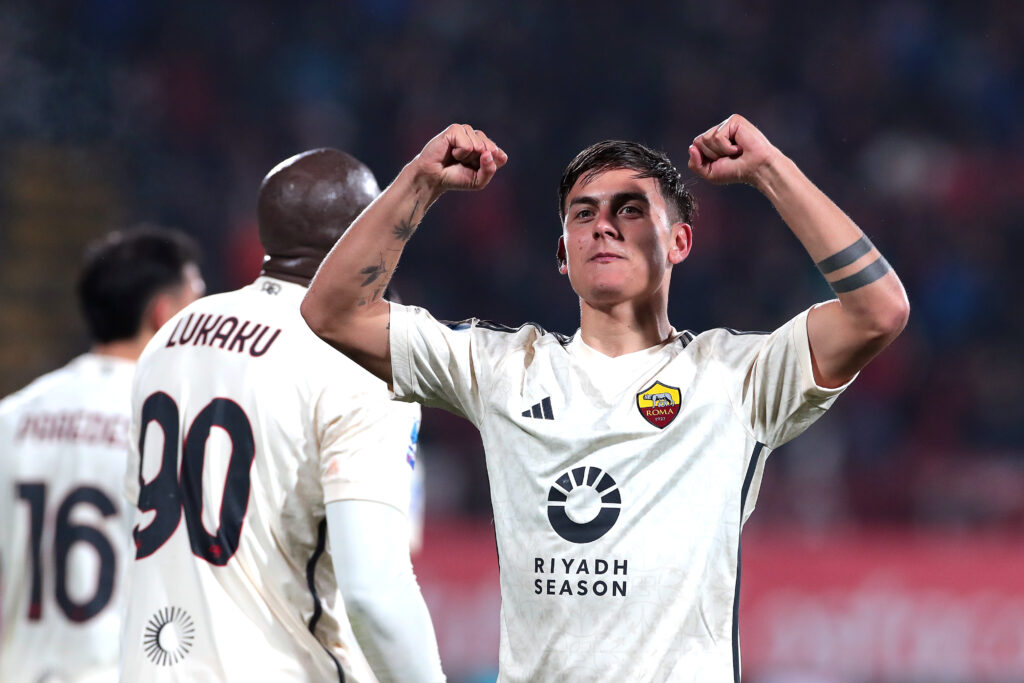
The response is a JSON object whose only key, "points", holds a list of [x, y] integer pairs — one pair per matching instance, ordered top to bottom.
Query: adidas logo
{"points": [[541, 410]]}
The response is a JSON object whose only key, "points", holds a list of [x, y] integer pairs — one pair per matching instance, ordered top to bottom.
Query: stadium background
{"points": [[887, 544]]}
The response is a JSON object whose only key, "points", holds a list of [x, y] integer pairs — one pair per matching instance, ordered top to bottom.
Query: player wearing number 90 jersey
{"points": [[259, 444], [63, 448]]}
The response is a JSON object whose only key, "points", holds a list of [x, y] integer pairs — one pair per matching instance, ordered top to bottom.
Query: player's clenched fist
{"points": [[732, 152], [459, 158]]}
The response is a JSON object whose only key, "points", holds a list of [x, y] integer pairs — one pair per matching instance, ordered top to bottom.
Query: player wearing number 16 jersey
{"points": [[259, 445], [63, 449]]}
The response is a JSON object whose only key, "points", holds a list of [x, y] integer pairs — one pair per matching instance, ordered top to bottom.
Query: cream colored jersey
{"points": [[248, 424], [63, 449], [619, 485]]}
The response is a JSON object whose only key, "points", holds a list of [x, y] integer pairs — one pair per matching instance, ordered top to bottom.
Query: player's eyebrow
{"points": [[618, 199], [583, 200]]}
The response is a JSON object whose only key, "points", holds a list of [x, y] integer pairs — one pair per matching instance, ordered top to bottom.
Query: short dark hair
{"points": [[648, 163], [123, 271]]}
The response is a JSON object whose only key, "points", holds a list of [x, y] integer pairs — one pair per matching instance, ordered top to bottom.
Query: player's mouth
{"points": [[606, 257]]}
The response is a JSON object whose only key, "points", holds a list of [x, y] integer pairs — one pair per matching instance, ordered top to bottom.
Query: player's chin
{"points": [[605, 291]]}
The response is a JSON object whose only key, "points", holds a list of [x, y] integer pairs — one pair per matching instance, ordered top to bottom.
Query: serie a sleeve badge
{"points": [[659, 404]]}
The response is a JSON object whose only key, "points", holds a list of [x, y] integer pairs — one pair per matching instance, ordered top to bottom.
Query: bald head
{"points": [[305, 204]]}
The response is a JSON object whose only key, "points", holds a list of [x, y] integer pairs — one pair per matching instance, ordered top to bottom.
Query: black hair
{"points": [[648, 163], [123, 271]]}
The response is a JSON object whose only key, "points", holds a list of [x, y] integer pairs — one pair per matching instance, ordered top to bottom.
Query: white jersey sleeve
{"points": [[432, 362], [450, 365], [777, 396], [367, 447], [130, 485], [6, 512], [393, 625]]}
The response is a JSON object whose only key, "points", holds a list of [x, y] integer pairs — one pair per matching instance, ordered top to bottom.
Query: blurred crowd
{"points": [[906, 113]]}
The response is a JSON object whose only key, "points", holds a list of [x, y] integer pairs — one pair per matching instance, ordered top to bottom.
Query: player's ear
{"points": [[682, 240], [560, 257], [167, 303], [161, 309]]}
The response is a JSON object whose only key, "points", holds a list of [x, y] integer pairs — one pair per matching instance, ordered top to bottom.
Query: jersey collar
{"points": [[274, 287]]}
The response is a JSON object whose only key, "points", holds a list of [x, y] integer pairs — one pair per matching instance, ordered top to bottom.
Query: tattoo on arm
{"points": [[404, 230], [845, 257], [874, 271], [373, 273]]}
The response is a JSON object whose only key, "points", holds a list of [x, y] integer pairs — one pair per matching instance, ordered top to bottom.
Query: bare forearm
{"points": [[821, 226], [358, 269], [866, 285], [344, 304], [872, 307]]}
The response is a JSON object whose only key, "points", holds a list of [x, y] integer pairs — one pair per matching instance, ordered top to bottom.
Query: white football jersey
{"points": [[248, 424], [64, 444], [619, 485]]}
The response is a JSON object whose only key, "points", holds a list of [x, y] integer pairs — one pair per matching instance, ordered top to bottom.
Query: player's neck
{"points": [[299, 270], [287, 277], [622, 328], [126, 349]]}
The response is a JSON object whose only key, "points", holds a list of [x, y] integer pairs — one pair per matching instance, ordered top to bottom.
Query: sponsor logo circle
{"points": [[583, 504], [168, 636]]}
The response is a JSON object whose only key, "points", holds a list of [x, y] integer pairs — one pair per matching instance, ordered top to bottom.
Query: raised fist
{"points": [[731, 152], [459, 158]]}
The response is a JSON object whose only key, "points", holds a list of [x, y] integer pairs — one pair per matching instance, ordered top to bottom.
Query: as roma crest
{"points": [[659, 404]]}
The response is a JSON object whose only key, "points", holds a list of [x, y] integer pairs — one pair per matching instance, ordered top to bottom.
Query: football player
{"points": [[64, 446], [624, 460], [273, 472]]}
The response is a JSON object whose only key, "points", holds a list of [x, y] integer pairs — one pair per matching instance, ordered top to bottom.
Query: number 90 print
{"points": [[169, 494]]}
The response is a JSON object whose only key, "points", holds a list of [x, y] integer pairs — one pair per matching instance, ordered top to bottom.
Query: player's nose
{"points": [[606, 228]]}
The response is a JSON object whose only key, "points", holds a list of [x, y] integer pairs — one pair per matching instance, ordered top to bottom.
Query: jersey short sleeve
{"points": [[435, 363], [778, 398], [367, 448], [130, 490], [6, 507]]}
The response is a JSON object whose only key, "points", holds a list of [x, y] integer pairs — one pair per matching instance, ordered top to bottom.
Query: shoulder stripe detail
{"points": [[457, 324], [498, 327], [740, 333], [685, 337], [751, 468], [750, 475], [318, 610]]}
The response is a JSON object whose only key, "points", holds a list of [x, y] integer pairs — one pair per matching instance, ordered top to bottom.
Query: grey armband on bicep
{"points": [[849, 255]]}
